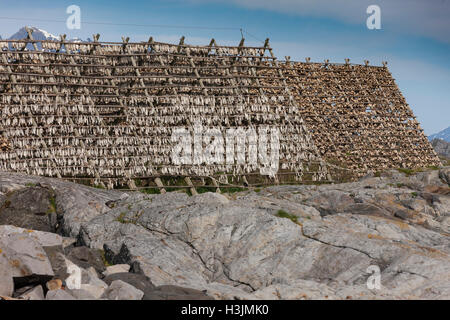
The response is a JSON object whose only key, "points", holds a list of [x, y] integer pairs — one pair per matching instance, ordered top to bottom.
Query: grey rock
{"points": [[441, 147], [444, 174], [429, 177], [10, 187], [331, 202], [75, 203], [28, 208], [366, 209], [45, 239], [68, 243], [236, 247], [55, 254], [25, 255], [86, 257], [118, 268], [6, 275], [139, 281], [92, 284], [119, 290], [37, 293], [177, 293], [59, 294], [82, 294]]}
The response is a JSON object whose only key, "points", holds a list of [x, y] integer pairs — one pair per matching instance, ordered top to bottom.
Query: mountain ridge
{"points": [[443, 135]]}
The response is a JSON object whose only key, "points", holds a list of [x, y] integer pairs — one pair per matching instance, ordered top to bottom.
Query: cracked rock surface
{"points": [[282, 242]]}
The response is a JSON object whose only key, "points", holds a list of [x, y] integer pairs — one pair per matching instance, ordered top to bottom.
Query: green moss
{"points": [[406, 171], [377, 174], [30, 184], [399, 185], [257, 190], [414, 194], [52, 205], [284, 214]]}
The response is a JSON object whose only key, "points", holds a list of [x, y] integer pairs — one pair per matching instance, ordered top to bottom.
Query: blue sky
{"points": [[414, 39]]}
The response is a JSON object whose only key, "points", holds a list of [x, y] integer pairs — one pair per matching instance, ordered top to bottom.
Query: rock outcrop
{"points": [[441, 147], [280, 242]]}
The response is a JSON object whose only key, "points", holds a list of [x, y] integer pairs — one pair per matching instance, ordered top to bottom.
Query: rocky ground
{"points": [[280, 242]]}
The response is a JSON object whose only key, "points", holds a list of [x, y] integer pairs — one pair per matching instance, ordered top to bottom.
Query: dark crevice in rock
{"points": [[336, 246]]}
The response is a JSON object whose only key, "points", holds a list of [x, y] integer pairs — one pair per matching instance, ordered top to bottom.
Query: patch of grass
{"points": [[433, 167], [406, 171], [377, 174], [30, 184], [399, 185], [99, 186], [205, 189], [231, 190], [150, 191], [414, 194], [284, 214], [121, 218]]}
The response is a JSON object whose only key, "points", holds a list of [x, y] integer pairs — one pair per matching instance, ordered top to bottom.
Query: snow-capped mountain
{"points": [[38, 34], [444, 135]]}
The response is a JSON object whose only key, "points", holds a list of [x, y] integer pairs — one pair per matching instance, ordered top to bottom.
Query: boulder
{"points": [[29, 208], [45, 239], [55, 254], [86, 257], [27, 259], [118, 268], [6, 275], [139, 281], [92, 284], [119, 290], [59, 294], [82, 294]]}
